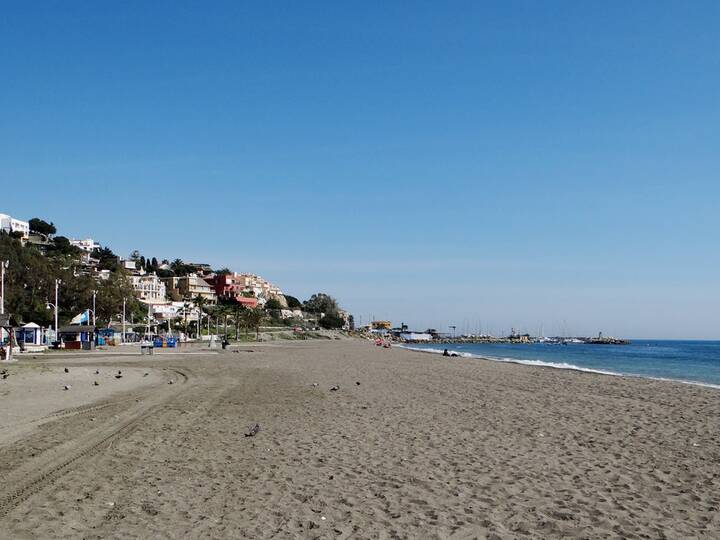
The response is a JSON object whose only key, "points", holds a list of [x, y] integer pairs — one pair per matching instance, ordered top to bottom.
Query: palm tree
{"points": [[176, 265], [200, 302], [223, 310], [237, 311], [253, 318]]}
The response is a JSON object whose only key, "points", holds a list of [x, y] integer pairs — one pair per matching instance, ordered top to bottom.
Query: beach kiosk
{"points": [[29, 334], [78, 336]]}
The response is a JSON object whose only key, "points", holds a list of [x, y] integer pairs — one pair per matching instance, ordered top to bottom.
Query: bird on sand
{"points": [[253, 431]]}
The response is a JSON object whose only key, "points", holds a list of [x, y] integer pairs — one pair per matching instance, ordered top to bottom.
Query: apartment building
{"points": [[9, 224], [190, 286], [149, 288]]}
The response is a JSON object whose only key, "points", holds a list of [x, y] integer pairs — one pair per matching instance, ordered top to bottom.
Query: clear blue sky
{"points": [[471, 163]]}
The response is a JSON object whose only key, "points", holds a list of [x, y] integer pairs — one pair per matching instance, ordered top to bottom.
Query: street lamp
{"points": [[3, 266], [55, 307], [93, 308], [453, 330], [122, 338]]}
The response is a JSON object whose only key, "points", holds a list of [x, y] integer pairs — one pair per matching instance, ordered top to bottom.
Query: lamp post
{"points": [[3, 266], [93, 309], [57, 329], [453, 330], [122, 338]]}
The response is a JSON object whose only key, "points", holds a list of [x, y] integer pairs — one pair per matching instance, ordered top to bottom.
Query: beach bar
{"points": [[78, 336]]}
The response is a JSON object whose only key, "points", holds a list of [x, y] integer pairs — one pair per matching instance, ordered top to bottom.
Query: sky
{"points": [[543, 166]]}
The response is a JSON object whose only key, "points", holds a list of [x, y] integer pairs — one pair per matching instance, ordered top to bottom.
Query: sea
{"points": [[693, 362]]}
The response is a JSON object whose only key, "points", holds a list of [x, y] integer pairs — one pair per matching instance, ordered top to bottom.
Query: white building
{"points": [[9, 224], [88, 245], [128, 264], [149, 288]]}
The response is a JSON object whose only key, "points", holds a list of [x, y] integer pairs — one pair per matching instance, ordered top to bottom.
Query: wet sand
{"points": [[423, 447]]}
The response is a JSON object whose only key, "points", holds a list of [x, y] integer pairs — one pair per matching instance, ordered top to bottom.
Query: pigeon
{"points": [[67, 370], [97, 372], [119, 372], [146, 374], [5, 375], [118, 376], [171, 381], [96, 383], [358, 383], [315, 385], [67, 387], [335, 388], [253, 431]]}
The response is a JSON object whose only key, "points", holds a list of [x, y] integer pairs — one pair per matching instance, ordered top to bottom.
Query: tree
{"points": [[40, 226], [62, 246], [108, 260], [154, 264], [223, 272], [200, 302], [292, 302], [273, 303], [321, 303], [236, 311], [253, 318], [332, 321], [351, 323]]}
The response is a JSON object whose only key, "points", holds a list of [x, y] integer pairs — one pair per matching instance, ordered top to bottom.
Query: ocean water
{"points": [[686, 361]]}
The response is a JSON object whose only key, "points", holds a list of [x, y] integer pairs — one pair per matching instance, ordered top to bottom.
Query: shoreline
{"points": [[560, 366]]}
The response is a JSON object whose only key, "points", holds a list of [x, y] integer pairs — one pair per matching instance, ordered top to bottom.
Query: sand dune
{"points": [[423, 447]]}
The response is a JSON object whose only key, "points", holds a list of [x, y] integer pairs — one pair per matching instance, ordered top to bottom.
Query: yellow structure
{"points": [[381, 325]]}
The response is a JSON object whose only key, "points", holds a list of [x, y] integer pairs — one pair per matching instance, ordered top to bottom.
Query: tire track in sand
{"points": [[36, 474]]}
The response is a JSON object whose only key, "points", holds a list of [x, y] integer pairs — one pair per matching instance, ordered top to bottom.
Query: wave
{"points": [[557, 365]]}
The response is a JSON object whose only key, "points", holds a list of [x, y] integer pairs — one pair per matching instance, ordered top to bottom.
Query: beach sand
{"points": [[422, 447]]}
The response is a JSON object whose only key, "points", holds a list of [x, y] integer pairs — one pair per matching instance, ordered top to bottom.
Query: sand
{"points": [[423, 447]]}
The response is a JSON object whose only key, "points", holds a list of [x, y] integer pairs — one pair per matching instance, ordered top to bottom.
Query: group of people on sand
{"points": [[382, 343], [448, 353]]}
